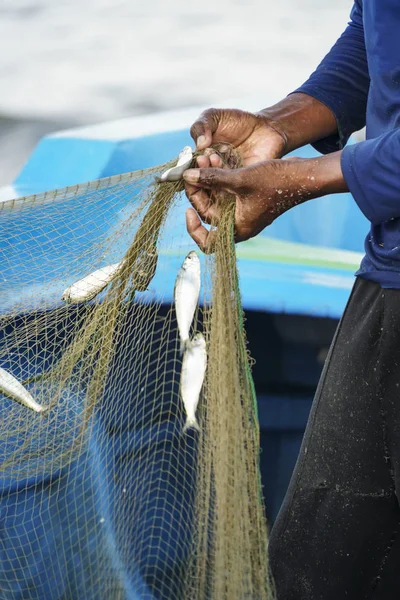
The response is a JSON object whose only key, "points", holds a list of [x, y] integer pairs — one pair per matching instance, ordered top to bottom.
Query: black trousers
{"points": [[337, 534]]}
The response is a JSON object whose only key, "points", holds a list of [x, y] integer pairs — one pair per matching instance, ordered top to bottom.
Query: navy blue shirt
{"points": [[359, 80]]}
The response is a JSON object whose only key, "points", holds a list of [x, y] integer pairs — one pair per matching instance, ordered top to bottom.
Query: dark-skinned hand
{"points": [[252, 134], [264, 191]]}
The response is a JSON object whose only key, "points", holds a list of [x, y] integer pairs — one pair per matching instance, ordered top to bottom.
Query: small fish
{"points": [[175, 173], [145, 269], [87, 288], [186, 293], [194, 366], [13, 389]]}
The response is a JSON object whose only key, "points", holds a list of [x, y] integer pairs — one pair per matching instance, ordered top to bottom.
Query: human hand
{"points": [[252, 134], [263, 192]]}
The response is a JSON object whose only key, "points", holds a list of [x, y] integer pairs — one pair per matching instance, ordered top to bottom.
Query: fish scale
{"points": [[186, 293], [194, 366]]}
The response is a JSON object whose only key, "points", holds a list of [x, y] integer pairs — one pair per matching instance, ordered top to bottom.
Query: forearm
{"points": [[301, 120], [319, 176], [305, 179]]}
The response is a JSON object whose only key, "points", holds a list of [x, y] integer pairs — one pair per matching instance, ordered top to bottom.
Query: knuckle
{"points": [[208, 114], [209, 119], [196, 129], [210, 177], [201, 209]]}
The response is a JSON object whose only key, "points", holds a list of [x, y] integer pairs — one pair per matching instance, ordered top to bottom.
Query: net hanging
{"points": [[103, 494]]}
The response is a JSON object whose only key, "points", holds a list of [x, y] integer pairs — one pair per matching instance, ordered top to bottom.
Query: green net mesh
{"points": [[103, 494]]}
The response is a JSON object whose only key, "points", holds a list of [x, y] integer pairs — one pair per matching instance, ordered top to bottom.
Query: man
{"points": [[336, 533]]}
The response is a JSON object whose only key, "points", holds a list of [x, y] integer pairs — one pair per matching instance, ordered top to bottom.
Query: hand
{"points": [[252, 134], [263, 191]]}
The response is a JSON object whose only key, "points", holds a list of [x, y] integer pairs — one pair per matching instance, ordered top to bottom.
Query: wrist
{"points": [[300, 119], [328, 174], [315, 177]]}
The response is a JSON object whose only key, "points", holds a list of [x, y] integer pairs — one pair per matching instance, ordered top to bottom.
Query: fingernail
{"points": [[201, 140], [191, 175]]}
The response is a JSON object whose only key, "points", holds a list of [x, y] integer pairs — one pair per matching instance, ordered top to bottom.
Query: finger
{"points": [[202, 130], [222, 148], [208, 151], [210, 159], [203, 161], [216, 161], [216, 178], [201, 194], [205, 207], [204, 239]]}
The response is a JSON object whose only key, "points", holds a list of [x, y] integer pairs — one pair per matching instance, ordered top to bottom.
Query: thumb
{"points": [[204, 128], [213, 178]]}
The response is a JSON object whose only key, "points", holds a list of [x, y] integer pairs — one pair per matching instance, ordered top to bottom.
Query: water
{"points": [[67, 62]]}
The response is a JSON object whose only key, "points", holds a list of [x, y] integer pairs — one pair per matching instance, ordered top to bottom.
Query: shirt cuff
{"points": [[336, 142], [348, 164]]}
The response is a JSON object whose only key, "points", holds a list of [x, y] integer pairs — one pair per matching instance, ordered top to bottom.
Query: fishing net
{"points": [[102, 495]]}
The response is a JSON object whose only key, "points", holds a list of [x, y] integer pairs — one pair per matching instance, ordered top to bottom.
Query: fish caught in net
{"points": [[134, 473]]}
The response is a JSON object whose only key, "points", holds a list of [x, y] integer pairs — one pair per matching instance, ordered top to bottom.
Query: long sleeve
{"points": [[341, 82], [372, 172]]}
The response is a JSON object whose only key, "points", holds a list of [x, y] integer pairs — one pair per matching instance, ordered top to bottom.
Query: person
{"points": [[337, 531]]}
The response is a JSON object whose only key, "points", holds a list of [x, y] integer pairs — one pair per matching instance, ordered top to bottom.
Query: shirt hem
{"points": [[386, 279]]}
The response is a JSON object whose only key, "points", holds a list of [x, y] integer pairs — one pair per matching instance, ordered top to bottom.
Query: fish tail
{"points": [[191, 423]]}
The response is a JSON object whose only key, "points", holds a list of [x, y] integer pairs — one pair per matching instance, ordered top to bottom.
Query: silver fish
{"points": [[175, 173], [87, 288], [186, 293], [194, 366], [13, 389]]}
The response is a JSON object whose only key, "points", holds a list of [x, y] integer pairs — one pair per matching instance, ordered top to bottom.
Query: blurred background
{"points": [[71, 62]]}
